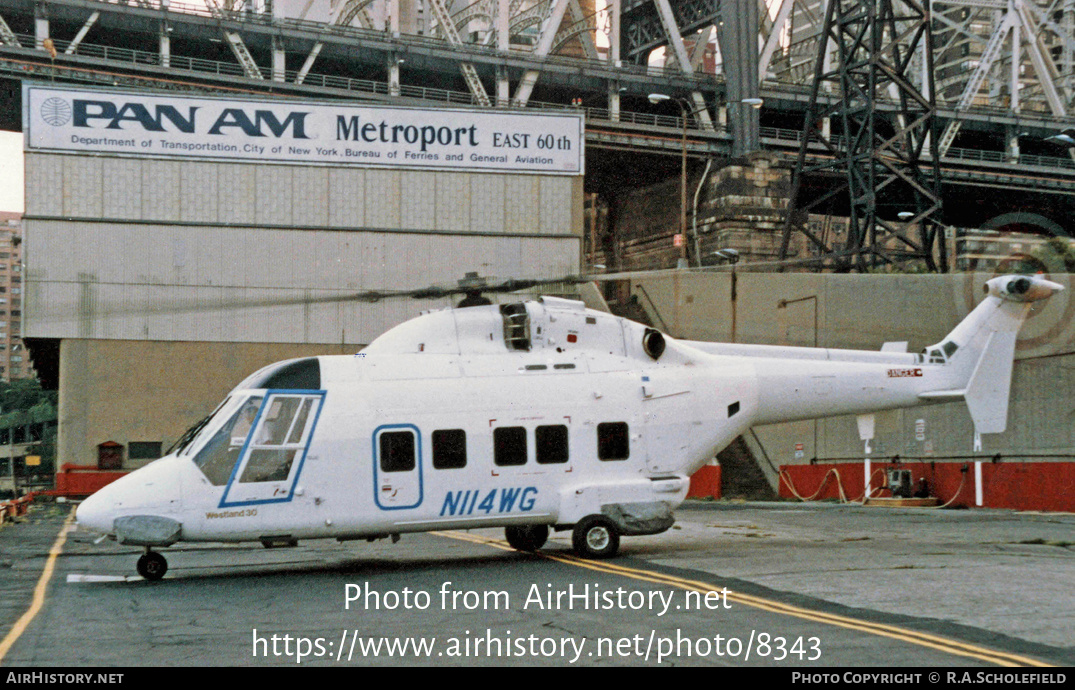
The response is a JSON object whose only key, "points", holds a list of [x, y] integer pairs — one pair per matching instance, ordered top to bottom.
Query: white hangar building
{"points": [[162, 231]]}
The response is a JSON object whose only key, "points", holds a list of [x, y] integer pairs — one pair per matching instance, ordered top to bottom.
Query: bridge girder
{"points": [[644, 32]]}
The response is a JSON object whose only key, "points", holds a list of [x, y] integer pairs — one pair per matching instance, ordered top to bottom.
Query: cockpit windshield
{"points": [[192, 433], [262, 440], [217, 457]]}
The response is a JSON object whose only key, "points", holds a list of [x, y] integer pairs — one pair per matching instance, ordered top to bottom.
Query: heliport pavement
{"points": [[997, 578]]}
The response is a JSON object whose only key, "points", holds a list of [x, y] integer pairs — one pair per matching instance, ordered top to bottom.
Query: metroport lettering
{"points": [[350, 129], [469, 501]]}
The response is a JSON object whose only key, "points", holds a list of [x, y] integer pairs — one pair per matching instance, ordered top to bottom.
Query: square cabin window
{"points": [[612, 441], [551, 444], [509, 445], [449, 449], [397, 451]]}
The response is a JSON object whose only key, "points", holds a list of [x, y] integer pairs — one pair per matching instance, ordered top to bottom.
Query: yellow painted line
{"points": [[39, 590], [922, 639]]}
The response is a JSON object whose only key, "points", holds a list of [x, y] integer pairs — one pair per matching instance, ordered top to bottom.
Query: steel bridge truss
{"points": [[536, 29], [1011, 55], [1018, 55], [883, 154]]}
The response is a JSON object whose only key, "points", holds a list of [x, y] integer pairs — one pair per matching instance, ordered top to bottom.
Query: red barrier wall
{"points": [[79, 480], [705, 483], [1018, 486], [14, 508]]}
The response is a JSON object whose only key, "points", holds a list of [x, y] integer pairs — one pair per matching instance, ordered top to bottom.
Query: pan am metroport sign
{"points": [[285, 131]]}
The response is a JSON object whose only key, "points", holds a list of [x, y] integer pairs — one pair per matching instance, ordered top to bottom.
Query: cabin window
{"points": [[612, 441], [551, 444], [509, 445], [449, 449], [397, 451]]}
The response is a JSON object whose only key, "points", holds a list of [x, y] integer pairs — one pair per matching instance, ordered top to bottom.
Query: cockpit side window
{"points": [[280, 435], [267, 446]]}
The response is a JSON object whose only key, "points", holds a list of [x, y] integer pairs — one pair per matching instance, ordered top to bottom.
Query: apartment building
{"points": [[14, 360]]}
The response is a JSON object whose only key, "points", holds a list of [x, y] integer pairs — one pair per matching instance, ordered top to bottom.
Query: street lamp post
{"points": [[731, 256], [683, 263], [783, 304]]}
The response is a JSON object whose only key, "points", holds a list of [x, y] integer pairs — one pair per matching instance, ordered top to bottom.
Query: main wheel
{"points": [[527, 537], [596, 537], [152, 566]]}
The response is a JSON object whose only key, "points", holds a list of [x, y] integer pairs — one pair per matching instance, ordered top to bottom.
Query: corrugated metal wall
{"points": [[146, 249]]}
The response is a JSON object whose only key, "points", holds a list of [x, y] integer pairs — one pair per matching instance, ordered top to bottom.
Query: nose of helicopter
{"points": [[152, 490], [95, 512]]}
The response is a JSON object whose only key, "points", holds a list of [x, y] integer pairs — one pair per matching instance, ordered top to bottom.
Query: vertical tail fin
{"points": [[980, 350]]}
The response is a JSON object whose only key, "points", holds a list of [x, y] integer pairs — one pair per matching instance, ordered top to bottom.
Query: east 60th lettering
{"points": [[517, 140], [548, 598]]}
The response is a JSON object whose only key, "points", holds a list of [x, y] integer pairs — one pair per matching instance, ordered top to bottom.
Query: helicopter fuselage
{"points": [[525, 415], [430, 429]]}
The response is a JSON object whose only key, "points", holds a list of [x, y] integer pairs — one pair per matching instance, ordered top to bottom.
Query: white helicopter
{"points": [[529, 415]]}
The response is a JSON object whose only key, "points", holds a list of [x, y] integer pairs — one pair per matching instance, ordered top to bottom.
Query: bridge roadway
{"points": [[124, 49]]}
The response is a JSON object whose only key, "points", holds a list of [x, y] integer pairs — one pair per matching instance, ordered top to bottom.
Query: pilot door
{"points": [[275, 447], [397, 466]]}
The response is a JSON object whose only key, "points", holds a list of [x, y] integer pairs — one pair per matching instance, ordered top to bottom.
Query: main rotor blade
{"points": [[91, 308]]}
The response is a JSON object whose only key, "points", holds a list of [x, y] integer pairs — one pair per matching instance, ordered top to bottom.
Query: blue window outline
{"points": [[376, 457], [224, 503]]}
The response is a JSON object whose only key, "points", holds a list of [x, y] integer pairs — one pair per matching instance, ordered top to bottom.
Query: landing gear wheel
{"points": [[527, 537], [596, 537], [152, 566]]}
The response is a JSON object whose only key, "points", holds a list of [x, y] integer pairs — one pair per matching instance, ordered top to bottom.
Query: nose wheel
{"points": [[152, 566]]}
